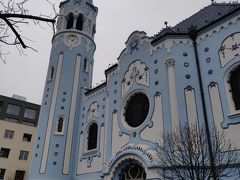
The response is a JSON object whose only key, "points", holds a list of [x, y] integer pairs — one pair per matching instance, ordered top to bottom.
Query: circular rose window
{"points": [[136, 109]]}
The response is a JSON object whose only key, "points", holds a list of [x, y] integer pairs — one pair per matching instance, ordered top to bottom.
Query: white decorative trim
{"points": [[217, 29], [135, 40], [168, 44], [230, 49], [137, 72], [172, 93], [231, 104], [191, 106], [216, 106], [93, 110], [51, 116], [157, 118], [107, 132], [80, 151], [67, 156], [148, 156]]}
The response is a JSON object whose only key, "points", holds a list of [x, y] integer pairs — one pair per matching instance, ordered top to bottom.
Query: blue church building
{"points": [[186, 73]]}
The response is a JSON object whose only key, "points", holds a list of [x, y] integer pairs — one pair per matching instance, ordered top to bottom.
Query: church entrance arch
{"points": [[130, 170], [133, 172]]}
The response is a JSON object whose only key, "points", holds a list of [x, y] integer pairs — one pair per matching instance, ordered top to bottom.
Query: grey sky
{"points": [[117, 19]]}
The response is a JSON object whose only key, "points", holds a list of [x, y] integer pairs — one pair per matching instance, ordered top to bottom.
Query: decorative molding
{"points": [[217, 29], [71, 40], [135, 40], [168, 44], [229, 49], [170, 63], [137, 72], [172, 93], [95, 94], [93, 110], [145, 152]]}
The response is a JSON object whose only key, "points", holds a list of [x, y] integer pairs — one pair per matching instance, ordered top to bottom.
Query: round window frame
{"points": [[125, 106]]}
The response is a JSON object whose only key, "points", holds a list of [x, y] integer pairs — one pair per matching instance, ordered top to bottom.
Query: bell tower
{"points": [[69, 74]]}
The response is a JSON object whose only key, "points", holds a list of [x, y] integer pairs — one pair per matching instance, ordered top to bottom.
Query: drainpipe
{"points": [[193, 36]]}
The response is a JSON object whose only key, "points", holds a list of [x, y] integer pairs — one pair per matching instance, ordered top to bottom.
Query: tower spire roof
{"points": [[66, 1]]}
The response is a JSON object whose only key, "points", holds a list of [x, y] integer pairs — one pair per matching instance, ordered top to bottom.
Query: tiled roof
{"points": [[202, 18]]}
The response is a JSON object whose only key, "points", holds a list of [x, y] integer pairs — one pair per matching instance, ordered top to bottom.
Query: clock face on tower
{"points": [[71, 40], [230, 48]]}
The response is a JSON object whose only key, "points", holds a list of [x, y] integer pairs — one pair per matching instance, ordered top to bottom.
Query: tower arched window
{"points": [[70, 20], [79, 25], [93, 30], [85, 64], [50, 73], [235, 87], [60, 124], [92, 136]]}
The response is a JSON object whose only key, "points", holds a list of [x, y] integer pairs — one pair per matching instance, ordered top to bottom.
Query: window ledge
{"points": [[234, 114], [59, 133], [92, 151]]}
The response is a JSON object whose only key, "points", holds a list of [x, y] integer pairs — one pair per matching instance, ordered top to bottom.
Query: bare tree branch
{"points": [[13, 15], [184, 154]]}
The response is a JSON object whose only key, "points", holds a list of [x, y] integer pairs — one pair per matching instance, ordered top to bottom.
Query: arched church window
{"points": [[70, 20], [79, 25], [50, 73], [235, 87], [60, 125], [92, 136]]}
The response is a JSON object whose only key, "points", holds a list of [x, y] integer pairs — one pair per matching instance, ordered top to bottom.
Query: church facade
{"points": [[189, 73]]}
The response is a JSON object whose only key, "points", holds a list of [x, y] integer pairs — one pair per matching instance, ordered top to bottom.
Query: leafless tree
{"points": [[14, 14], [184, 154]]}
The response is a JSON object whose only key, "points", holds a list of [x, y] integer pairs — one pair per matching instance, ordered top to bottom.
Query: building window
{"points": [[70, 21], [79, 25], [85, 64], [50, 74], [235, 87], [1, 106], [13, 109], [136, 109], [30, 113], [10, 119], [28, 123], [60, 123], [8, 134], [92, 136], [27, 137], [4, 152], [23, 155], [2, 173], [19, 175]]}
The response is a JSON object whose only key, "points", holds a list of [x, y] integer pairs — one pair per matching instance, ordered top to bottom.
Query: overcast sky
{"points": [[25, 75]]}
